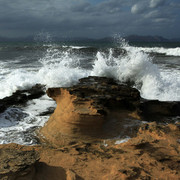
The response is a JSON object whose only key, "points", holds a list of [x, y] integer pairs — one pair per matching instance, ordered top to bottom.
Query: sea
{"points": [[152, 68]]}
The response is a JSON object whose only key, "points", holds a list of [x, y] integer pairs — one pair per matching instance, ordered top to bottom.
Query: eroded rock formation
{"points": [[102, 108], [99, 109], [86, 110]]}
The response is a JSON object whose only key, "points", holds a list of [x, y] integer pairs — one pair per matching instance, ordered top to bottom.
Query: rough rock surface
{"points": [[20, 97], [100, 107], [89, 109], [153, 154], [16, 162], [22, 163]]}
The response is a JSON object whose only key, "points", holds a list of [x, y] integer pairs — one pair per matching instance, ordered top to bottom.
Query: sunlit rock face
{"points": [[96, 107], [101, 108]]}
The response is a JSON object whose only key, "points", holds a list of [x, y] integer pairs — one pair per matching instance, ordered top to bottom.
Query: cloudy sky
{"points": [[90, 18]]}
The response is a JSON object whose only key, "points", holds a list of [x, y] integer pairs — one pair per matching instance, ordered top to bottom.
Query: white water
{"points": [[161, 50], [137, 67], [63, 68], [58, 69], [16, 124], [122, 141]]}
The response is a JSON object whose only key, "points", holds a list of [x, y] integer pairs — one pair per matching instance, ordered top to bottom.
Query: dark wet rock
{"points": [[105, 93], [20, 97], [2, 108], [157, 110], [49, 111]]}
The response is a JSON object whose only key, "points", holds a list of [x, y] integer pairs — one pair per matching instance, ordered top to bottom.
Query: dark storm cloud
{"points": [[84, 18]]}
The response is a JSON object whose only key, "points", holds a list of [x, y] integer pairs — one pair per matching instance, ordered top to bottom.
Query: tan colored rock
{"points": [[100, 108], [85, 111], [153, 154], [16, 162], [70, 175]]}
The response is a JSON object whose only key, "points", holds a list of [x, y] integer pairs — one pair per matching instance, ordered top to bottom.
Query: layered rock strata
{"points": [[99, 107], [90, 109], [17, 162]]}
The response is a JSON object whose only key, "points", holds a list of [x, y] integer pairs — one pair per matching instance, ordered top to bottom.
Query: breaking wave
{"points": [[160, 50], [65, 67], [137, 67]]}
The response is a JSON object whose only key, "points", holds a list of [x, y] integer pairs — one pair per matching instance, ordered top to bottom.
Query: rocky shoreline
{"points": [[80, 139]]}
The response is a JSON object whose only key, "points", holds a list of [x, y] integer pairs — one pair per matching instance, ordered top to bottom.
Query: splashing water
{"points": [[60, 66], [136, 66]]}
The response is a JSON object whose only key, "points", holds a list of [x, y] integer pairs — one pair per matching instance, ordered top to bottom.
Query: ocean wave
{"points": [[39, 47], [75, 47], [160, 50], [137, 67], [58, 68], [64, 68], [16, 125]]}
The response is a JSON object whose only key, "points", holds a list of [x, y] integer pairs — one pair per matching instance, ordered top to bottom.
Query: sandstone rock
{"points": [[88, 107], [100, 107], [153, 154], [17, 163], [70, 175]]}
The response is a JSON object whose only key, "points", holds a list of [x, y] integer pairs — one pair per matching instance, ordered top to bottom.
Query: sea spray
{"points": [[57, 65], [62, 66], [136, 66], [57, 68]]}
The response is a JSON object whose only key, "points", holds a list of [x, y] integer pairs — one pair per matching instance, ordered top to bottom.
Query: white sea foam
{"points": [[75, 47], [161, 50], [136, 66], [63, 68], [58, 69], [17, 80], [16, 124], [122, 140]]}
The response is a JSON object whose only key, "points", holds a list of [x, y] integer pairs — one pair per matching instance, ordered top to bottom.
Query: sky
{"points": [[89, 18]]}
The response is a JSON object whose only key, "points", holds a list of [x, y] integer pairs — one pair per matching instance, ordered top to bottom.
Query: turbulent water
{"points": [[154, 69]]}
